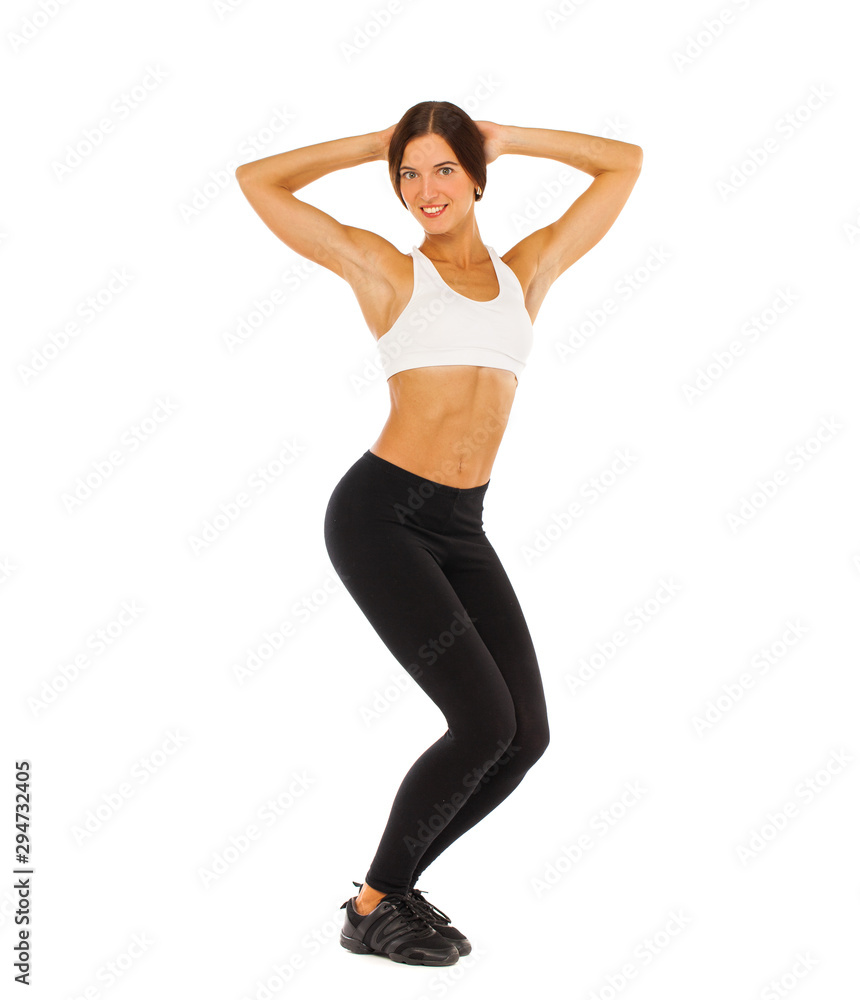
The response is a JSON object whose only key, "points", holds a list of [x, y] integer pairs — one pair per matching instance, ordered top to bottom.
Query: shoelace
{"points": [[411, 909], [409, 912], [433, 912]]}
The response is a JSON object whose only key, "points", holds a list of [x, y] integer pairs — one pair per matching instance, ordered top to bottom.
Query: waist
{"points": [[446, 423], [421, 484]]}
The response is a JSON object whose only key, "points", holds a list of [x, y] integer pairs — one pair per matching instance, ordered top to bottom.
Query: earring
{"points": [[477, 192]]}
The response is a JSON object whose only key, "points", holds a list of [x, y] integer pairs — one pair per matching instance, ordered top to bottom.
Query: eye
{"points": [[446, 168], [406, 174]]}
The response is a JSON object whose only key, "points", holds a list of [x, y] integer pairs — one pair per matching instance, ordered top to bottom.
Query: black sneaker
{"points": [[440, 922], [397, 929]]}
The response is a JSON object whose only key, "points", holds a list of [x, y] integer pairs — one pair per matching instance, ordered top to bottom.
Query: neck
{"points": [[462, 247]]}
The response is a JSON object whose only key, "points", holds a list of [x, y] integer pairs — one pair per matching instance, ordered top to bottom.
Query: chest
{"points": [[479, 283]]}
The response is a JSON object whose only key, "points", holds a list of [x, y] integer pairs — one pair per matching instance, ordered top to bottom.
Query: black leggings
{"points": [[414, 556]]}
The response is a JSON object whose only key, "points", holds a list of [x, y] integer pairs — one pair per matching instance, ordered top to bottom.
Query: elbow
{"points": [[636, 157], [248, 174]]}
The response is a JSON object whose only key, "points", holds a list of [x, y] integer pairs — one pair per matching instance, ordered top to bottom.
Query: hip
{"points": [[375, 491]]}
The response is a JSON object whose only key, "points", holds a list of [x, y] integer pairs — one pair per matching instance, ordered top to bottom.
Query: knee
{"points": [[503, 728], [491, 731], [541, 738], [529, 744]]}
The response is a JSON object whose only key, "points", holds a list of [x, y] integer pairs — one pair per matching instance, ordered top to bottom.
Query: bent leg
{"points": [[396, 580], [483, 585]]}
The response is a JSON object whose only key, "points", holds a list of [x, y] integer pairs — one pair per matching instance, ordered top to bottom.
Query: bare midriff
{"points": [[447, 422]]}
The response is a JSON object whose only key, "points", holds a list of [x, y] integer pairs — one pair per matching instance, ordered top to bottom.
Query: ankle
{"points": [[368, 899]]}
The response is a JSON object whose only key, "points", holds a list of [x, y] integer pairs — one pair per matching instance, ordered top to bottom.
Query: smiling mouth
{"points": [[434, 211]]}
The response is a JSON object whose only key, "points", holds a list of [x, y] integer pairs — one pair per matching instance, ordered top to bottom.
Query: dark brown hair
{"points": [[454, 126]]}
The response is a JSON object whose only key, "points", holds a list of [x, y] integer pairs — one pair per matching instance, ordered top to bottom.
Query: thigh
{"points": [[396, 579], [482, 584]]}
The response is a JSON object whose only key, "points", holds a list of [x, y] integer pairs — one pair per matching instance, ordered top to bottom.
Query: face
{"points": [[432, 178]]}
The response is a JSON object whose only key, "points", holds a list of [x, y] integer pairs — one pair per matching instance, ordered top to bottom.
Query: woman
{"points": [[403, 527]]}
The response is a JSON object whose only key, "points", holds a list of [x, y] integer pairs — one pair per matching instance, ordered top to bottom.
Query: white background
{"points": [[711, 240]]}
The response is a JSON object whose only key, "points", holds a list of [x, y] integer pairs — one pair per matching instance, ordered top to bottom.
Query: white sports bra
{"points": [[442, 327]]}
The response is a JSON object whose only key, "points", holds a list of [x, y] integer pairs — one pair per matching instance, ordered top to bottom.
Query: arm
{"points": [[269, 185], [545, 254]]}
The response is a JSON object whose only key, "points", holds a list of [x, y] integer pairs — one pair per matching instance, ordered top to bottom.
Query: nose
{"points": [[428, 189]]}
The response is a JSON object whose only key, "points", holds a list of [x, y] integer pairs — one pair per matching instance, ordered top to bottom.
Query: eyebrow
{"points": [[444, 163]]}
